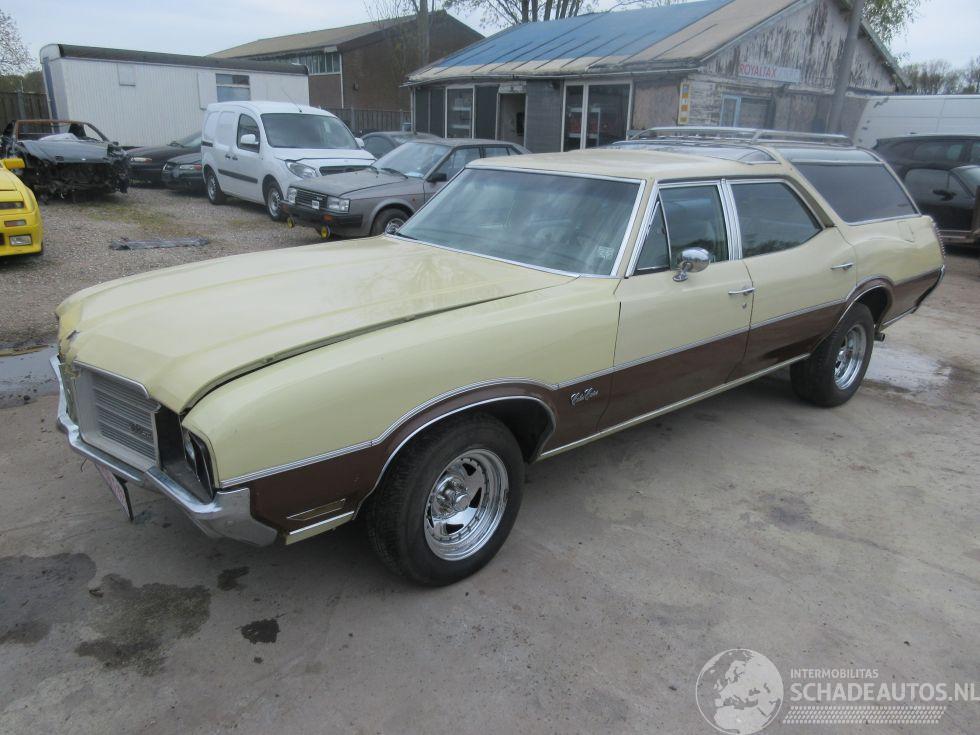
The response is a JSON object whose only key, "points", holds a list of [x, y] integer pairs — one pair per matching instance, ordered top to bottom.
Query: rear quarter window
{"points": [[859, 192]]}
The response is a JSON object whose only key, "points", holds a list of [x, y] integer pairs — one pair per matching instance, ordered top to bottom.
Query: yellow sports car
{"points": [[21, 230]]}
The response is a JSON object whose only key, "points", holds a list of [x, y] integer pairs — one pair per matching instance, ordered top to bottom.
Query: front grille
{"points": [[327, 170], [306, 198], [114, 414]]}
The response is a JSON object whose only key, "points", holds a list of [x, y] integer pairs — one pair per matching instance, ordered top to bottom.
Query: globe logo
{"points": [[739, 692]]}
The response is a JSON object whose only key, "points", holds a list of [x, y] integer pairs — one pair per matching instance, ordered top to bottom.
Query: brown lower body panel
{"points": [[909, 294], [782, 340]]}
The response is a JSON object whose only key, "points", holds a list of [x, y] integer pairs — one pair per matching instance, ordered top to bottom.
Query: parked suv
{"points": [[255, 150], [942, 172], [537, 303]]}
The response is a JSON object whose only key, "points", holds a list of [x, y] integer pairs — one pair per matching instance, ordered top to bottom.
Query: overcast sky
{"points": [[947, 29]]}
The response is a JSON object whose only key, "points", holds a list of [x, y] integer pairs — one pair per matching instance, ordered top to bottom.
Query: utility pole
{"points": [[423, 32], [845, 66]]}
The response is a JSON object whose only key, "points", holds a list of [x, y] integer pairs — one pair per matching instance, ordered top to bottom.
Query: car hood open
{"points": [[67, 151], [182, 331]]}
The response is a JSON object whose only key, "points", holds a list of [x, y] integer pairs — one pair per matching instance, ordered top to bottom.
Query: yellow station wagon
{"points": [[21, 229], [535, 304]]}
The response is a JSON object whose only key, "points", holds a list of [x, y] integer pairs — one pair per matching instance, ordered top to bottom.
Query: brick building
{"points": [[360, 66], [586, 81]]}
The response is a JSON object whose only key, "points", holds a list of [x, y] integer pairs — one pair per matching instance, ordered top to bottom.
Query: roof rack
{"points": [[744, 135]]}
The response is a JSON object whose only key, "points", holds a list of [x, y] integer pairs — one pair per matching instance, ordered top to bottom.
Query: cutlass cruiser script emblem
{"points": [[583, 395]]}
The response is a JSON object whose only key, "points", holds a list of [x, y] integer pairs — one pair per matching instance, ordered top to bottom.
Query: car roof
{"points": [[262, 107], [931, 136], [633, 164]]}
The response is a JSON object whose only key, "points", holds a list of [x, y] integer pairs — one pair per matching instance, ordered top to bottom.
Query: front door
{"points": [[510, 125], [245, 166], [801, 272], [679, 338]]}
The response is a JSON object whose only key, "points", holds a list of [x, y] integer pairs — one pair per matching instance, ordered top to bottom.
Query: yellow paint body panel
{"points": [[12, 189]]}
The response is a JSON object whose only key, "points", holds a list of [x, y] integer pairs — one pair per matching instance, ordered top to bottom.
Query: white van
{"points": [[898, 116], [255, 150]]}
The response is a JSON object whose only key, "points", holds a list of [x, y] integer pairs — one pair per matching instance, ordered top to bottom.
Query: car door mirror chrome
{"points": [[693, 260]]}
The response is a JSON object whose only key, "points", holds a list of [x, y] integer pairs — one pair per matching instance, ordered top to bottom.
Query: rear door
{"points": [[801, 271], [679, 338]]}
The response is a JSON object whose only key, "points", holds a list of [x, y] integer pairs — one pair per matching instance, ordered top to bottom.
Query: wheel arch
{"points": [[270, 179], [391, 204]]}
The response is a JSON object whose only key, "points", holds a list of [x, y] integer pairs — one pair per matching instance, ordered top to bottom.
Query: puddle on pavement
{"points": [[906, 371], [26, 375]]}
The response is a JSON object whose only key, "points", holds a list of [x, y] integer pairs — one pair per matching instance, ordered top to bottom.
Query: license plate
{"points": [[315, 204], [118, 489]]}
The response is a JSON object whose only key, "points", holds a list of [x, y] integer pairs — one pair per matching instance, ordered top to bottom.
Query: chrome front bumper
{"points": [[228, 515]]}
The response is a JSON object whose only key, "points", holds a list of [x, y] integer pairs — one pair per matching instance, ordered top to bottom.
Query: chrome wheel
{"points": [[212, 183], [273, 201], [393, 224], [850, 356], [465, 505]]}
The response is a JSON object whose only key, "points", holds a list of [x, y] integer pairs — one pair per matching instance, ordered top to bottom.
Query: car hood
{"points": [[67, 151], [159, 153], [324, 156], [186, 158], [349, 183], [182, 331]]}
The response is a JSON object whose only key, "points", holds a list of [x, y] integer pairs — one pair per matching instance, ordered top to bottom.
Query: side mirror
{"points": [[248, 141], [360, 142], [13, 163], [438, 177], [693, 260]]}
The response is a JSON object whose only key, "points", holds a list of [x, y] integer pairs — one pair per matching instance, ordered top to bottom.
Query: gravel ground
{"points": [[77, 255]]}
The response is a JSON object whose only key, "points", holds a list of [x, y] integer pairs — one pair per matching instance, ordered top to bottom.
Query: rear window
{"points": [[859, 193]]}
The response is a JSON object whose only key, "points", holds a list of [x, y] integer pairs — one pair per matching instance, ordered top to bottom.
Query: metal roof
{"points": [[676, 36], [150, 57]]}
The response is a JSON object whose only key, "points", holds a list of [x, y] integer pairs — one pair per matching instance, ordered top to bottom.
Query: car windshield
{"points": [[58, 130], [300, 130], [188, 141], [412, 159], [970, 176], [566, 223]]}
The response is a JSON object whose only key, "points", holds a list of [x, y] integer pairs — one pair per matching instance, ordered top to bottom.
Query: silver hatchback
{"points": [[382, 196]]}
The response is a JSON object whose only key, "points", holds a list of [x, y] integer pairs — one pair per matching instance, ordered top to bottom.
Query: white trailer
{"points": [[142, 98], [897, 116]]}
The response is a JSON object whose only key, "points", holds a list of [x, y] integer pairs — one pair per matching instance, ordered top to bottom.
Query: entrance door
{"points": [[510, 123], [679, 338]]}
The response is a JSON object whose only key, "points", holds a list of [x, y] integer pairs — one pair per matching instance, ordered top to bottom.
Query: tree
{"points": [[516, 12], [889, 17], [14, 57], [933, 77], [971, 77]]}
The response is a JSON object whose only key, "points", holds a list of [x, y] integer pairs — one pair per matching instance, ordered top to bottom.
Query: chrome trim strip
{"points": [[653, 205], [885, 325], [675, 350], [115, 376], [667, 409], [228, 514], [313, 529]]}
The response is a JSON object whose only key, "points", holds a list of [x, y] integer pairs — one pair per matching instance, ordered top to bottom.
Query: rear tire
{"points": [[213, 188], [273, 201], [388, 219], [833, 373], [448, 502]]}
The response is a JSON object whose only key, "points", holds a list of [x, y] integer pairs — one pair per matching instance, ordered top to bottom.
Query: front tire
{"points": [[213, 188], [273, 201], [388, 221], [833, 373], [448, 502]]}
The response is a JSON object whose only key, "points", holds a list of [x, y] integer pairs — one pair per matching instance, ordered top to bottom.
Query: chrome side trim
{"points": [[885, 325], [667, 409], [258, 474], [227, 515], [313, 529]]}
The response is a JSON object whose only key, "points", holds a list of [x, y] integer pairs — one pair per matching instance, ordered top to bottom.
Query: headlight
{"points": [[140, 159], [190, 167], [302, 170], [291, 195], [336, 204], [20, 240]]}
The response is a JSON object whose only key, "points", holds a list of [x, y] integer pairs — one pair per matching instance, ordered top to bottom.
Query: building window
{"points": [[317, 62], [232, 87], [459, 112], [744, 112], [595, 115]]}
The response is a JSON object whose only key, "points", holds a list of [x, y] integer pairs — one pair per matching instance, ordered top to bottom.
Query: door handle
{"points": [[233, 158], [842, 267], [743, 292]]}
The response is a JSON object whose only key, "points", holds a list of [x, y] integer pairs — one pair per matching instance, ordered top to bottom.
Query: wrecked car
{"points": [[62, 157]]}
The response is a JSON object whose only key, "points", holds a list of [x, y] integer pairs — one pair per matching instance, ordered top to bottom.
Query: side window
{"points": [[247, 126], [377, 146], [492, 151], [938, 151], [974, 156], [459, 158], [859, 192], [771, 218], [695, 219], [655, 253]]}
